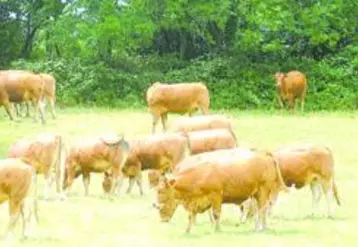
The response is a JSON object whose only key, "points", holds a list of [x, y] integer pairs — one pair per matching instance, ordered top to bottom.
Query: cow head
{"points": [[279, 79], [166, 203]]}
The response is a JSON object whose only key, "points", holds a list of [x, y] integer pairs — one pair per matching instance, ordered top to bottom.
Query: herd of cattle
{"points": [[196, 162]]}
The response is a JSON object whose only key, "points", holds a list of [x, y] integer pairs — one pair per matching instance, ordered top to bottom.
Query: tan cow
{"points": [[20, 86], [290, 86], [49, 95], [178, 98], [204, 122], [200, 142], [160, 152], [45, 153], [95, 154], [308, 164], [207, 180], [17, 186]]}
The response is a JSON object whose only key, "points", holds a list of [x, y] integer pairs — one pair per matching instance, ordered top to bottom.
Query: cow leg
{"points": [[27, 106], [38, 107], [52, 107], [8, 108], [164, 118], [154, 122], [86, 182], [131, 183], [139, 183], [48, 184], [117, 184], [328, 192], [316, 196], [262, 204], [216, 206], [14, 212], [192, 216]]}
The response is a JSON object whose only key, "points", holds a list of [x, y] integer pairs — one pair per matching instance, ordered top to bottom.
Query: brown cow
{"points": [[21, 86], [290, 86], [49, 95], [178, 98], [204, 122], [200, 142], [160, 152], [45, 153], [96, 155], [308, 164], [207, 180], [18, 186]]}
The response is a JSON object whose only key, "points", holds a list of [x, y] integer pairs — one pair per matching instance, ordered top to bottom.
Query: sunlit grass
{"points": [[131, 221]]}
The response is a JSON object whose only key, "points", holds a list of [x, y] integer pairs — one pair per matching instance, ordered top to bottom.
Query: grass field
{"points": [[131, 221]]}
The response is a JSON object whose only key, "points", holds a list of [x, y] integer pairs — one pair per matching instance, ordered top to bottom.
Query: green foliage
{"points": [[108, 52]]}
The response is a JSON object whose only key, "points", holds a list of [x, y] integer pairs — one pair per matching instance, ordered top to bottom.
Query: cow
{"points": [[20, 86], [290, 86], [48, 95], [178, 98], [203, 122], [200, 142], [159, 152], [46, 153], [95, 154], [307, 164], [207, 180], [18, 187]]}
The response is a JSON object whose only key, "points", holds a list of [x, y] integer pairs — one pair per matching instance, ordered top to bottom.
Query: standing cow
{"points": [[21, 86], [290, 86], [48, 95], [178, 98], [200, 142], [45, 153], [159, 153], [96, 155], [308, 164], [204, 181], [18, 187]]}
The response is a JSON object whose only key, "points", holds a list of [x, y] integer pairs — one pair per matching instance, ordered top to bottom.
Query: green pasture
{"points": [[130, 220]]}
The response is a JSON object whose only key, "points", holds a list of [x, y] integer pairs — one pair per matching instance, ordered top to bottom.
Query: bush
{"points": [[234, 82]]}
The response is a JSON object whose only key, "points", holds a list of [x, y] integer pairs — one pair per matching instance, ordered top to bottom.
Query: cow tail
{"points": [[233, 135], [60, 165], [279, 175], [335, 193]]}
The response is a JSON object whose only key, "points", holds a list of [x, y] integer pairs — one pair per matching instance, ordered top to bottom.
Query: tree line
{"points": [[108, 52]]}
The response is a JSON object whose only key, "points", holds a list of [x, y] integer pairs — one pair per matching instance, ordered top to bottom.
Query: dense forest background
{"points": [[108, 52]]}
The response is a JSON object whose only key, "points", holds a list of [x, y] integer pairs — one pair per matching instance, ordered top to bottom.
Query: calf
{"points": [[291, 86], [178, 98], [45, 153], [96, 155], [207, 180], [18, 186]]}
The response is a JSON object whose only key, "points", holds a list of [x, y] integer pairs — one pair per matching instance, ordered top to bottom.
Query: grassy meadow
{"points": [[130, 220]]}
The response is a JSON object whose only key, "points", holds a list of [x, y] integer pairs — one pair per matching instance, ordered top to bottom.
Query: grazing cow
{"points": [[20, 86], [290, 86], [178, 98], [204, 122], [200, 142], [157, 152], [45, 153], [96, 155], [309, 164], [207, 180], [17, 186]]}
